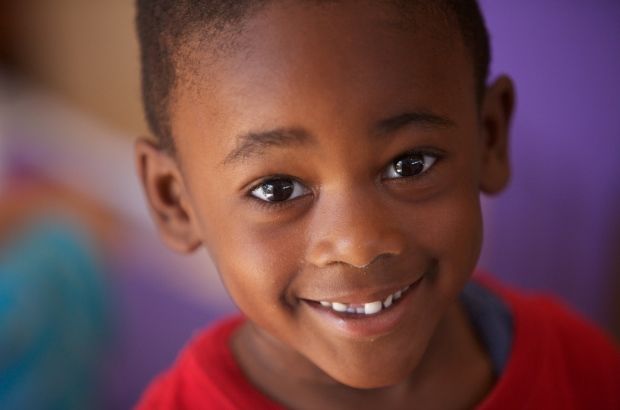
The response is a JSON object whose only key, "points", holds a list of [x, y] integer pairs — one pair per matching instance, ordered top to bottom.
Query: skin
{"points": [[336, 71]]}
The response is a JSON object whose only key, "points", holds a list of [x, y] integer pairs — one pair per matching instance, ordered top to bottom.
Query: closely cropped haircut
{"points": [[164, 27]]}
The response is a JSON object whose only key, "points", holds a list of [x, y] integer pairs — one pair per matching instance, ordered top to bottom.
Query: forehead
{"points": [[296, 63]]}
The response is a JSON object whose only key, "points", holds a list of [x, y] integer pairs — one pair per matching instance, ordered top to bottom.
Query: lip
{"points": [[360, 297], [360, 326]]}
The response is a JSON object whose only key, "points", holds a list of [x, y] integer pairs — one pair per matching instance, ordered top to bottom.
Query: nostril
{"points": [[355, 232], [321, 254], [360, 257], [374, 260]]}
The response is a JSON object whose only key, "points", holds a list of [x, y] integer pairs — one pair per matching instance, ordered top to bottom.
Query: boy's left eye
{"points": [[409, 165], [279, 190]]}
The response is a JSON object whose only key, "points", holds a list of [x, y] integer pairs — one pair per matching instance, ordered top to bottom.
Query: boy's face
{"points": [[334, 153]]}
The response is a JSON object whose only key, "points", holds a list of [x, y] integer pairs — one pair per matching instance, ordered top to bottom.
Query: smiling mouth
{"points": [[370, 308], [365, 309], [364, 319]]}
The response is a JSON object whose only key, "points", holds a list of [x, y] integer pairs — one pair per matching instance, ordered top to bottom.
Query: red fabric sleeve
{"points": [[558, 360], [206, 376]]}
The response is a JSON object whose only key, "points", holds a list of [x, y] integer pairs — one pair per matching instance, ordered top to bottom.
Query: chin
{"points": [[374, 365], [362, 377], [369, 382]]}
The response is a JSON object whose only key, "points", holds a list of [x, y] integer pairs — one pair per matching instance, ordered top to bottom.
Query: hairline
{"points": [[221, 36]]}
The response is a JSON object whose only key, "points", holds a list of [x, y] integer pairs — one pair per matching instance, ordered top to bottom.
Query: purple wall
{"points": [[557, 227]]}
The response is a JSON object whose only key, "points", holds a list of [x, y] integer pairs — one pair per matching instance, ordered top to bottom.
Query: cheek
{"points": [[462, 234], [457, 235], [455, 240], [257, 266]]}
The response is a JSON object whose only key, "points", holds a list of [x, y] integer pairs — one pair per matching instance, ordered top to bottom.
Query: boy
{"points": [[330, 156]]}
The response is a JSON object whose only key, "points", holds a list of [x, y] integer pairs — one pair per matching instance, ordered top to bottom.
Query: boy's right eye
{"points": [[279, 190]]}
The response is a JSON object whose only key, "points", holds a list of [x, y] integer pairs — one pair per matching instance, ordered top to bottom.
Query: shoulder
{"points": [[574, 339], [557, 356], [205, 376], [188, 381]]}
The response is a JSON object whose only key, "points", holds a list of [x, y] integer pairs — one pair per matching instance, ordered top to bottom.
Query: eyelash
{"points": [[437, 156], [278, 205], [274, 206]]}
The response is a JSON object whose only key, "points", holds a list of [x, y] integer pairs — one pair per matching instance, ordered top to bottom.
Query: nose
{"points": [[354, 228]]}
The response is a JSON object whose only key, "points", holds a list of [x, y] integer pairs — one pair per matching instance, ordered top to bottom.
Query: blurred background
{"points": [[118, 314]]}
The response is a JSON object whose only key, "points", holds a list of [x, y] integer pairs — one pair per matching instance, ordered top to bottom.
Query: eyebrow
{"points": [[421, 119], [255, 143]]}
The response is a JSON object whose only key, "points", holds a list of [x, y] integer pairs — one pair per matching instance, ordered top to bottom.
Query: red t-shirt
{"points": [[557, 361]]}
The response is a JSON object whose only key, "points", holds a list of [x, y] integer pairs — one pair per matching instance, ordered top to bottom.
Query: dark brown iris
{"points": [[410, 165], [277, 190]]}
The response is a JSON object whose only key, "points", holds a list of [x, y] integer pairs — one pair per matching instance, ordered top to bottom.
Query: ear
{"points": [[497, 109], [166, 196]]}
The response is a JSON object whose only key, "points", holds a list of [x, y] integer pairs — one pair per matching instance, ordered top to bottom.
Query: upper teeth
{"points": [[366, 308]]}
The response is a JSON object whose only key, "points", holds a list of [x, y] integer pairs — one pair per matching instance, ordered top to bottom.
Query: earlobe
{"points": [[496, 115], [166, 197]]}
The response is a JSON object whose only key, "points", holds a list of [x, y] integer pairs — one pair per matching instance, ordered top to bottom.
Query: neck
{"points": [[455, 362]]}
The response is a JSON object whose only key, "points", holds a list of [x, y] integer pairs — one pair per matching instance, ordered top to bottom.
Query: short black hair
{"points": [[164, 25]]}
